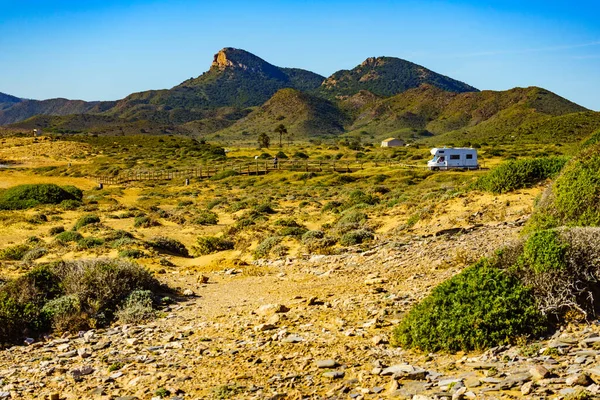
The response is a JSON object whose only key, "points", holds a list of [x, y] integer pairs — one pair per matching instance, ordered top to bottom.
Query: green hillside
{"points": [[387, 76], [27, 108], [427, 111], [304, 116], [94, 124]]}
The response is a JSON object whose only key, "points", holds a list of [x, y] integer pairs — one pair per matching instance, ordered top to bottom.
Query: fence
{"points": [[206, 171]]}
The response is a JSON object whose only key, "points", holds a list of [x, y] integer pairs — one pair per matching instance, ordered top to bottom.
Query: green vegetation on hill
{"points": [[387, 76], [304, 116], [448, 118], [519, 174], [28, 196], [574, 197], [549, 276]]}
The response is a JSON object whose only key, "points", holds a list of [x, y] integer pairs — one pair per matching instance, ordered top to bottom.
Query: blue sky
{"points": [[105, 50]]}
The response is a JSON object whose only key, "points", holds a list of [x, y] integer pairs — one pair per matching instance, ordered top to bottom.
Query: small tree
{"points": [[281, 130], [264, 141]]}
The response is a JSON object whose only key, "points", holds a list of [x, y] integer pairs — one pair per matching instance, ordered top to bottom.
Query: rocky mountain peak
{"points": [[231, 58]]}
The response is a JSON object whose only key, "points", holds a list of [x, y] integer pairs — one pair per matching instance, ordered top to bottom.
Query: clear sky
{"points": [[106, 49]]}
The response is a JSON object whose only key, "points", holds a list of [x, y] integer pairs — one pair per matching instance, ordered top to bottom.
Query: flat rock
{"points": [[326, 363], [539, 372], [334, 374]]}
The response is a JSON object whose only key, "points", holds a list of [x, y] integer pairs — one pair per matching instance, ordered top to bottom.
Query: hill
{"points": [[387, 76], [7, 101], [27, 108], [428, 111], [304, 115], [94, 124]]}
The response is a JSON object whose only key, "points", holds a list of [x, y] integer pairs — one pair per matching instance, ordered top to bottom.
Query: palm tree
{"points": [[281, 130]]}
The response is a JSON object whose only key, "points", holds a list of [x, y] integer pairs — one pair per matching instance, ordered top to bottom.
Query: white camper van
{"points": [[447, 158]]}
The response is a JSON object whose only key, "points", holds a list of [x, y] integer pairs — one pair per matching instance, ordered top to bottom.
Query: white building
{"points": [[37, 132], [392, 142], [448, 158]]}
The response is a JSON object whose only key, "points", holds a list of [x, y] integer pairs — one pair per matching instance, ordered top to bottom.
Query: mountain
{"points": [[387, 76], [236, 78], [7, 101], [27, 108], [429, 111], [303, 114]]}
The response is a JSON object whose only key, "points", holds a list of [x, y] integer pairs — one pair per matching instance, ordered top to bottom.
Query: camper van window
{"points": [[441, 151], [455, 156], [469, 156]]}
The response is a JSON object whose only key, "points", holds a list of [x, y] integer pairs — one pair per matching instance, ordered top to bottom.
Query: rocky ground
{"points": [[316, 327]]}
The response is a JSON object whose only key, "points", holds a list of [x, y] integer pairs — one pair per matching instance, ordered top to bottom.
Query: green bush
{"points": [[300, 155], [519, 174], [28, 196], [360, 197], [574, 197], [70, 205], [264, 208], [205, 218], [86, 220], [144, 222], [55, 230], [296, 231], [311, 235], [67, 237], [356, 237], [89, 242], [211, 244], [169, 245], [264, 248], [543, 252], [14, 253], [131, 253], [34, 254], [22, 301], [481, 307], [138, 308]]}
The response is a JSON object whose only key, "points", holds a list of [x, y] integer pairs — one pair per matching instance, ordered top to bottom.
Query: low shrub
{"points": [[519, 174], [28, 196], [359, 197], [574, 197], [70, 205], [264, 208], [205, 218], [86, 220], [145, 222], [55, 230], [296, 231], [310, 235], [67, 237], [356, 237], [89, 243], [212, 244], [169, 245], [264, 248], [14, 253], [132, 253], [34, 254], [563, 269], [481, 307], [138, 308]]}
